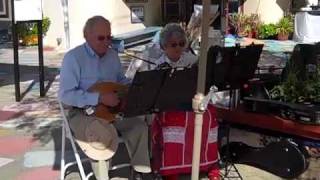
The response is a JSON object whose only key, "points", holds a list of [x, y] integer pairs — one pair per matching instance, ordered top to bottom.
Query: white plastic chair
{"points": [[66, 133]]}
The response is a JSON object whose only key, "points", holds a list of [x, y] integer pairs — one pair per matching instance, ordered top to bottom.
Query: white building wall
{"points": [[53, 10], [117, 11], [270, 11]]}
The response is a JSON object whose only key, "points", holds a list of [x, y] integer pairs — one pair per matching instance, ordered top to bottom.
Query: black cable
{"points": [[144, 60]]}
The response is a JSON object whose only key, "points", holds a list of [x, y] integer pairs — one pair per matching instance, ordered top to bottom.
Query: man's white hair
{"points": [[92, 21]]}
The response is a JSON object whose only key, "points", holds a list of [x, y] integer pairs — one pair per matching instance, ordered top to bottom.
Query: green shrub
{"points": [[31, 28], [267, 31], [295, 90]]}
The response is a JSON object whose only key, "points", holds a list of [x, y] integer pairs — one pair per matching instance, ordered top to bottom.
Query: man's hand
{"points": [[109, 99]]}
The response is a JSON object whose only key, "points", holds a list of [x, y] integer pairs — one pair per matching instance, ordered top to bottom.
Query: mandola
{"points": [[105, 112]]}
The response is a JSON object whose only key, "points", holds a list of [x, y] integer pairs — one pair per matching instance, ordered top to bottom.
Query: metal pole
{"points": [[65, 10], [15, 42], [40, 53], [197, 100]]}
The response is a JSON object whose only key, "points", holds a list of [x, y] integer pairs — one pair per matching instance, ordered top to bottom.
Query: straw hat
{"points": [[99, 141]]}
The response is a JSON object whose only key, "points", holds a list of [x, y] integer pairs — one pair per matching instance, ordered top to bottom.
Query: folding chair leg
{"points": [[62, 162], [79, 163]]}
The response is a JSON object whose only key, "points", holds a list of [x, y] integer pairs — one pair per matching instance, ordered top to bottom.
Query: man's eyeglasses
{"points": [[103, 38], [174, 45]]}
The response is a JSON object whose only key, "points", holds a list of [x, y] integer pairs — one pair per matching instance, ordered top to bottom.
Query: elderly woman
{"points": [[173, 42], [170, 50], [172, 132]]}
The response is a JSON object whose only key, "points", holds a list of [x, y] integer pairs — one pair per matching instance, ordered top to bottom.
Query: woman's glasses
{"points": [[103, 38], [174, 45]]}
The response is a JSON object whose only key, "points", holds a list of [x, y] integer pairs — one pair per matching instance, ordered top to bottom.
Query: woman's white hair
{"points": [[169, 31]]}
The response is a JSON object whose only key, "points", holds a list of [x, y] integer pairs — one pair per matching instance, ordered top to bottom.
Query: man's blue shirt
{"points": [[81, 68]]}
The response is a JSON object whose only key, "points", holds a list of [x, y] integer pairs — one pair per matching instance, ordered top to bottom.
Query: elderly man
{"points": [[94, 62]]}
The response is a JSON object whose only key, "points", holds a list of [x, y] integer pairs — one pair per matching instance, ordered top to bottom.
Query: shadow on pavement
{"points": [[29, 77]]}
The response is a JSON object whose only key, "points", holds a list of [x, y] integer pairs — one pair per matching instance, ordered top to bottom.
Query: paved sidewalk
{"points": [[29, 130]]}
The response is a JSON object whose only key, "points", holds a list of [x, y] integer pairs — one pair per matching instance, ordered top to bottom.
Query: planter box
{"points": [[283, 37], [30, 40]]}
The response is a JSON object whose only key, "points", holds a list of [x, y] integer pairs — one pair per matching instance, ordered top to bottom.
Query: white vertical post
{"points": [[197, 100]]}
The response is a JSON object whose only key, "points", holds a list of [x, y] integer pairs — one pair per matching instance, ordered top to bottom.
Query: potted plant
{"points": [[254, 22], [244, 25], [284, 28], [267, 31]]}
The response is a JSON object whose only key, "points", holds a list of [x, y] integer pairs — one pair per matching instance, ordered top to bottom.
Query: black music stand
{"points": [[229, 68], [161, 90], [178, 90]]}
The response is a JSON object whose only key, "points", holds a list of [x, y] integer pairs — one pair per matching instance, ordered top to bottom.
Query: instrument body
{"points": [[105, 112], [283, 158]]}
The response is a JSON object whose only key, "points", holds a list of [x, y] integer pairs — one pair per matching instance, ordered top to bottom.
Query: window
{"points": [[234, 6], [4, 9], [137, 14]]}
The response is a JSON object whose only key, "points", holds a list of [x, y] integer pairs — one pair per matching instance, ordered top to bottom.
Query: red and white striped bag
{"points": [[172, 142]]}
